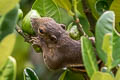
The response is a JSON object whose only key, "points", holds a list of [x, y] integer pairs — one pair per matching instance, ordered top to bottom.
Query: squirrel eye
{"points": [[41, 31]]}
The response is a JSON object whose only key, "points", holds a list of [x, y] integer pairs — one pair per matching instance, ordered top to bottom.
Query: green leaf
{"points": [[109, 2], [65, 4], [91, 4], [7, 5], [101, 6], [115, 6], [47, 8], [80, 8], [20, 14], [65, 18], [83, 19], [8, 22], [26, 23], [85, 24], [104, 25], [69, 26], [107, 45], [6, 47], [111, 47], [107, 48], [116, 48], [20, 53], [89, 57], [8, 72], [29, 74], [63, 75], [69, 75], [101, 76], [117, 77]]}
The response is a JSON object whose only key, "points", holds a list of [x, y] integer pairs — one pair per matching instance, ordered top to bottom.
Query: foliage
{"points": [[65, 4], [6, 6], [115, 7], [47, 8], [83, 18], [107, 22], [6, 25], [26, 26], [107, 48], [6, 49], [88, 55], [8, 64], [8, 72], [29, 74], [67, 76], [101, 76]]}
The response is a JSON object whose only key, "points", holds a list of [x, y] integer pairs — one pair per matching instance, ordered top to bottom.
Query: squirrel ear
{"points": [[63, 26]]}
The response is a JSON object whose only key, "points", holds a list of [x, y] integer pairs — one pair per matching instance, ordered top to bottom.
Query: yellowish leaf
{"points": [[6, 47]]}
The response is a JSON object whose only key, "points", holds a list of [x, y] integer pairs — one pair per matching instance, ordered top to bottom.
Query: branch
{"points": [[89, 15]]}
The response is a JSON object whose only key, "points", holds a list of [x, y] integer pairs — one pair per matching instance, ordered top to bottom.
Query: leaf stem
{"points": [[76, 19]]}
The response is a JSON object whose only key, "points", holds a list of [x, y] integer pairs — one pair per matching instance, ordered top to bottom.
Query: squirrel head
{"points": [[48, 29]]}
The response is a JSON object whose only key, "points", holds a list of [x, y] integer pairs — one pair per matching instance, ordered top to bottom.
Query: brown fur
{"points": [[59, 50]]}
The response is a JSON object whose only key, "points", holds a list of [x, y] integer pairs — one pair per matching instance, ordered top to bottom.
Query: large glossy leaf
{"points": [[65, 4], [7, 5], [115, 6], [47, 8], [8, 22], [104, 25], [6, 47], [107, 48], [112, 48], [116, 48], [89, 57], [8, 72], [29, 74], [69, 75], [102, 76], [117, 77]]}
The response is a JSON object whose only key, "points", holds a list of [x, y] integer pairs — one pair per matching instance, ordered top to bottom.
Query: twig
{"points": [[76, 19], [25, 36]]}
